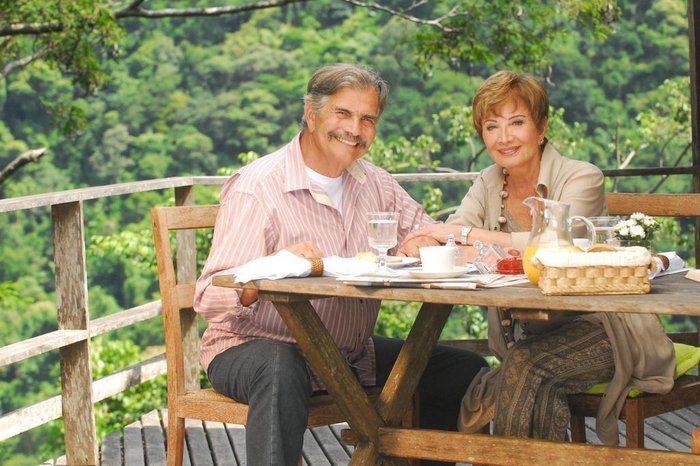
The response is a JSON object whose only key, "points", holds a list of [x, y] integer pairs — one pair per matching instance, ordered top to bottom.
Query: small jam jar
{"points": [[510, 265]]}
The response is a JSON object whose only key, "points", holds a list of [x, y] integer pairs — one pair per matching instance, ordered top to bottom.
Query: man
{"points": [[311, 197]]}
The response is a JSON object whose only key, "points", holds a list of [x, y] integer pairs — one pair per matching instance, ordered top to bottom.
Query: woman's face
{"points": [[511, 136]]}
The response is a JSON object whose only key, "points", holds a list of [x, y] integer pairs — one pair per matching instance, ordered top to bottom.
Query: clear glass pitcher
{"points": [[551, 228]]}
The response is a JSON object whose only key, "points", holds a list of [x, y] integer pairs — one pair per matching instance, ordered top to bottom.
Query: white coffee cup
{"points": [[438, 259]]}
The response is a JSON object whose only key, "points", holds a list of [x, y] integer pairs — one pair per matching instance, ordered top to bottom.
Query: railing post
{"points": [[694, 49], [187, 271], [73, 314]]}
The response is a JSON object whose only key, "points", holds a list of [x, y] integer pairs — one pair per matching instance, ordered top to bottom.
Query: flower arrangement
{"points": [[638, 227]]}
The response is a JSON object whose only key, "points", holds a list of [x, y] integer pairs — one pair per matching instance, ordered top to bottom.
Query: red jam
{"points": [[510, 266]]}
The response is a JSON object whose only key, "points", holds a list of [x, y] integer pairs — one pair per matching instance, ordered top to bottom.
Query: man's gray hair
{"points": [[327, 80]]}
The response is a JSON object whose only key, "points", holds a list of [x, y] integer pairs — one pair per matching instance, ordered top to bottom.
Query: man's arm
{"points": [[241, 234]]}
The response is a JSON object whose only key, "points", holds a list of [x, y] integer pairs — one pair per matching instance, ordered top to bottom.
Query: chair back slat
{"points": [[659, 205], [189, 217], [183, 296]]}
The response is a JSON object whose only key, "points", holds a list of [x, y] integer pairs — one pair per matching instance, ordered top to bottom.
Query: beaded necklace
{"points": [[504, 194], [503, 312]]}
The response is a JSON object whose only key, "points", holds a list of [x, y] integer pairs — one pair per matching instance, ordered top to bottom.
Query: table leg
{"points": [[412, 361], [330, 366]]}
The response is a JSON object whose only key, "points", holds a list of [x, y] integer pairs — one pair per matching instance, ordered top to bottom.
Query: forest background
{"points": [[202, 96]]}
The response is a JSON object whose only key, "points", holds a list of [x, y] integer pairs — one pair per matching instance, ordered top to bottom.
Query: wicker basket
{"points": [[594, 280]]}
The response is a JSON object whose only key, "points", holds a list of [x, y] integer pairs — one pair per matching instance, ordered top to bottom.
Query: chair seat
{"points": [[685, 392], [208, 404]]}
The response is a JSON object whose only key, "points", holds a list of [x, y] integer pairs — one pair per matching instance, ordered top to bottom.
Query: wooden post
{"points": [[694, 49], [187, 271], [73, 314]]}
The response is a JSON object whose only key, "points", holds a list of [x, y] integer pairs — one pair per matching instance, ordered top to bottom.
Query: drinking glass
{"points": [[382, 231], [604, 233]]}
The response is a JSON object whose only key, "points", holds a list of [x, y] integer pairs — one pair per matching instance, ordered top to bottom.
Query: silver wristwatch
{"points": [[464, 235]]}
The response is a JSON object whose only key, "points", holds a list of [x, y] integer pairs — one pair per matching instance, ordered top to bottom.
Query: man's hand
{"points": [[410, 246], [305, 249]]}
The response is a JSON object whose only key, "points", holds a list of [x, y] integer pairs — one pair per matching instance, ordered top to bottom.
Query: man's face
{"points": [[342, 131]]}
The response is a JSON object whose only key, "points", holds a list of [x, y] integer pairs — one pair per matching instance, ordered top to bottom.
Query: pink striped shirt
{"points": [[271, 204]]}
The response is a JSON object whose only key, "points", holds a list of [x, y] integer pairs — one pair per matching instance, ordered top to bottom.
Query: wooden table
{"points": [[376, 426]]}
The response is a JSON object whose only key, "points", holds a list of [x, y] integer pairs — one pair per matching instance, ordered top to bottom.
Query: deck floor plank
{"points": [[336, 429], [663, 429], [236, 435], [153, 439], [217, 444], [133, 445], [331, 445], [221, 449], [111, 450], [200, 452], [312, 452]]}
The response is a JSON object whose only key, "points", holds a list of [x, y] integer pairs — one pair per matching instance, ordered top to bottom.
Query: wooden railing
{"points": [[75, 329], [79, 392]]}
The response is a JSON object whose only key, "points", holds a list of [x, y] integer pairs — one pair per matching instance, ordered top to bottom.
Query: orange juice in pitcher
{"points": [[532, 272]]}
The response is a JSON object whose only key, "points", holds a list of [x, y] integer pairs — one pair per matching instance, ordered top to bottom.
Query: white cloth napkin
{"points": [[285, 264], [675, 264]]}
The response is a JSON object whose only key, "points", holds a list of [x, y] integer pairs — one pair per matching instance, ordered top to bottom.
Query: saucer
{"points": [[396, 262], [418, 272]]}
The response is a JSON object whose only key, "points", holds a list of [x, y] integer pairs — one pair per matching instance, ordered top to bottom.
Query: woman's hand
{"points": [[437, 231], [410, 246]]}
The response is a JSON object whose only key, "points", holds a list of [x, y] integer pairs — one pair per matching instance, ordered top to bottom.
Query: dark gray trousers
{"points": [[273, 380]]}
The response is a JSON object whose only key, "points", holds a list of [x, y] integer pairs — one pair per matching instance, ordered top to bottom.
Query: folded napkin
{"points": [[666, 263], [285, 264]]}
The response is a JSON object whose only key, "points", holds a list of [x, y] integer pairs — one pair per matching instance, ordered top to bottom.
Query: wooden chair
{"points": [[686, 390], [185, 397]]}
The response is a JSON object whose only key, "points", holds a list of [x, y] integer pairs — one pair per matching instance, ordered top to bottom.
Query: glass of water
{"points": [[382, 230], [604, 233]]}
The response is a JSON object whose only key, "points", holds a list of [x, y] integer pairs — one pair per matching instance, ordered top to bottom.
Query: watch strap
{"points": [[464, 235]]}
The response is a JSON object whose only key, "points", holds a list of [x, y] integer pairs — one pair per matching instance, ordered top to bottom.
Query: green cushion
{"points": [[687, 357]]}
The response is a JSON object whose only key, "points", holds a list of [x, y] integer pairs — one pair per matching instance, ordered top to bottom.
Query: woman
{"points": [[542, 361]]}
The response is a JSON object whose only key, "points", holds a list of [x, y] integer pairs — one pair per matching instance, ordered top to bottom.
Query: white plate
{"points": [[396, 262], [418, 272]]}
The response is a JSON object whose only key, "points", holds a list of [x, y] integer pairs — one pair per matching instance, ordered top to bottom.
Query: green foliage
{"points": [[510, 35], [404, 155], [432, 201], [135, 247], [10, 297], [396, 318], [109, 356]]}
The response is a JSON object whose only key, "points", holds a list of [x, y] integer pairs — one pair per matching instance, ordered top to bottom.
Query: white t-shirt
{"points": [[332, 186]]}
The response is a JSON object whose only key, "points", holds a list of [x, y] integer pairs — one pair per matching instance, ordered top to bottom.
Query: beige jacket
{"points": [[637, 363]]}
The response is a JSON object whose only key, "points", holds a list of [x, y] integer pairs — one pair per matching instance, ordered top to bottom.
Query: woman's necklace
{"points": [[504, 194]]}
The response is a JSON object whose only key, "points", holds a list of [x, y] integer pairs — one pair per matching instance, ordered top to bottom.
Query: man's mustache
{"points": [[349, 137]]}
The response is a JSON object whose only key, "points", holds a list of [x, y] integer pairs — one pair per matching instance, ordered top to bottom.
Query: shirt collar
{"points": [[549, 167]]}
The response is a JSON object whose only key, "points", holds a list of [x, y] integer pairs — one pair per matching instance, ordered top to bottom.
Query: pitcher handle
{"points": [[590, 228]]}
